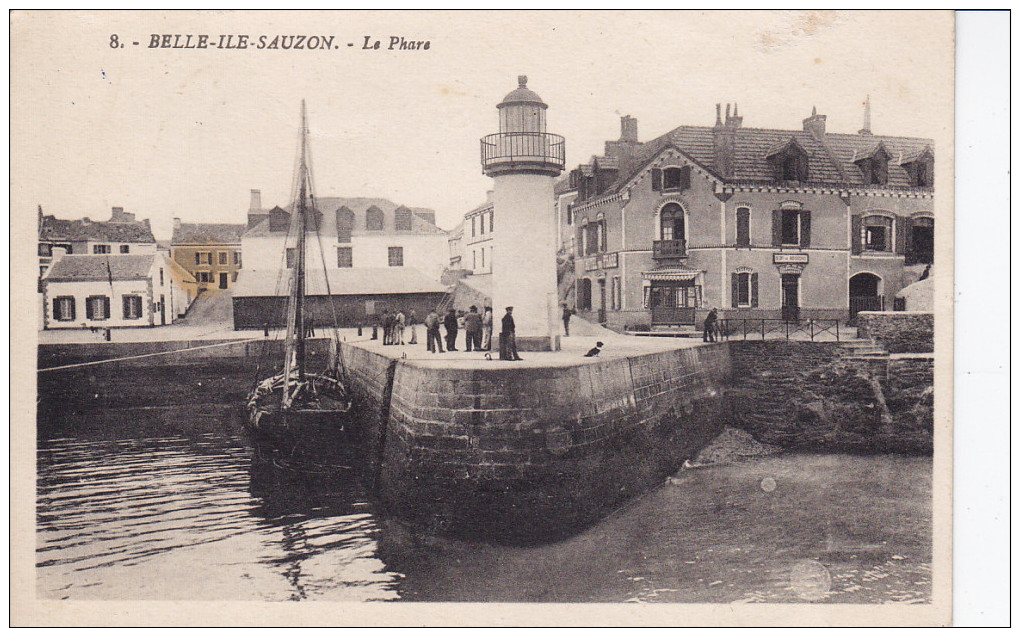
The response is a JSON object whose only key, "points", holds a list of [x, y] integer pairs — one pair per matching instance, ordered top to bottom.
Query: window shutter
{"points": [[656, 178], [685, 178], [777, 227], [805, 229], [855, 234], [901, 234], [908, 235], [734, 289], [754, 289], [72, 302], [106, 307], [125, 313]]}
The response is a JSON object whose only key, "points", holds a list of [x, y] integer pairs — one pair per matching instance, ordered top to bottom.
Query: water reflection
{"points": [[199, 518]]}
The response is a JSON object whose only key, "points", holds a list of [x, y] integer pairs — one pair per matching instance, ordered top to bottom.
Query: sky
{"points": [[187, 133]]}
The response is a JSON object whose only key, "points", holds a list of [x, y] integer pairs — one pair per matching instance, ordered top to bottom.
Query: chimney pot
{"points": [[718, 114], [815, 124], [628, 129], [256, 201]]}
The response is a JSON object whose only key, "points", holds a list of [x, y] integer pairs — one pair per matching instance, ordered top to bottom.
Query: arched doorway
{"points": [[865, 294]]}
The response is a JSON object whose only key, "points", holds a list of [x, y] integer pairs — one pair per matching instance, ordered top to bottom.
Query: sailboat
{"points": [[294, 404]]}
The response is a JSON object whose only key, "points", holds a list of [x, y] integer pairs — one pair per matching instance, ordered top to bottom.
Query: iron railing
{"points": [[524, 147], [669, 249], [813, 329]]}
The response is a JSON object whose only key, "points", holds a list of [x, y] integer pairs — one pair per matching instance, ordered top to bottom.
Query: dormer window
{"points": [[789, 162], [874, 165], [920, 169], [374, 219], [402, 219]]}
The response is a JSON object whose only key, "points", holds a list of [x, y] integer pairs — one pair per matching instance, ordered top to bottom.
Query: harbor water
{"points": [[155, 510]]}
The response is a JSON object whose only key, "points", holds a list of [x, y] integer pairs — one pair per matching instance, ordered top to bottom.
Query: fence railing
{"points": [[523, 147], [666, 249], [813, 329]]}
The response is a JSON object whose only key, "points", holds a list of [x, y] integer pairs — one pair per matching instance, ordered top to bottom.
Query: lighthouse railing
{"points": [[523, 147]]}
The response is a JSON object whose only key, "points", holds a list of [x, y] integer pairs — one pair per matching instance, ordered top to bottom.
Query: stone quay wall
{"points": [[899, 332], [821, 397], [524, 455]]}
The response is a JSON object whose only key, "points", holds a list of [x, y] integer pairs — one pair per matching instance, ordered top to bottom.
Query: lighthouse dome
{"points": [[522, 95]]}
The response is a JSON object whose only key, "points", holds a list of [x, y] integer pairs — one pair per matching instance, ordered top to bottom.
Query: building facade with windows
{"points": [[760, 223], [120, 235], [360, 242], [476, 243], [210, 252], [129, 290]]}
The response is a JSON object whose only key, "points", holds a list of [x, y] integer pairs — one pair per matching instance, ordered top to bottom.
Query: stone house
{"points": [[760, 223], [120, 235], [210, 252]]}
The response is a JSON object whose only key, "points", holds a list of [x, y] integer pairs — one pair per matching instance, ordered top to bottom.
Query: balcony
{"points": [[523, 153], [669, 249]]}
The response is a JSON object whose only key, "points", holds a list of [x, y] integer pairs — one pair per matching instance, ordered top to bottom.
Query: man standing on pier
{"points": [[567, 313], [412, 322], [450, 322], [487, 329], [473, 330], [709, 334], [508, 337], [432, 339]]}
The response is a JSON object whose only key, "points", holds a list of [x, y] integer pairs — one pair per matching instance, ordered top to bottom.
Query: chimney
{"points": [[735, 120], [815, 124], [628, 129], [866, 129], [724, 139], [488, 196], [256, 201], [117, 214], [86, 220], [177, 224], [148, 227]]}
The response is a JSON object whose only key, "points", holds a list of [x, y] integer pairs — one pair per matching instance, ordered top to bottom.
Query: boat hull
{"points": [[319, 418]]}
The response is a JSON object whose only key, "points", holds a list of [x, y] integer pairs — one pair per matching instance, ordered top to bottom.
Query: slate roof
{"points": [[830, 164], [359, 205], [54, 229], [207, 233], [100, 267], [255, 282]]}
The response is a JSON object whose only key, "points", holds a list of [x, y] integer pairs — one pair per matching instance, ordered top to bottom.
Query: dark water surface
{"points": [[178, 514]]}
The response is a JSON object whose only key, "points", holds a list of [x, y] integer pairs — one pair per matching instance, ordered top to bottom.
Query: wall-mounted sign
{"points": [[789, 258], [611, 260]]}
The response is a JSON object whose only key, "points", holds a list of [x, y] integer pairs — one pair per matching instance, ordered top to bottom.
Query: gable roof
{"points": [[830, 162], [359, 205], [52, 229], [207, 233], [100, 267]]}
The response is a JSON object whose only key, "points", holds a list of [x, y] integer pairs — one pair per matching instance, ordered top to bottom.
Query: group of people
{"points": [[394, 324], [477, 331]]}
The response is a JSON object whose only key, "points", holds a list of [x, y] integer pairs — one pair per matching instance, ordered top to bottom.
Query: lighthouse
{"points": [[524, 160]]}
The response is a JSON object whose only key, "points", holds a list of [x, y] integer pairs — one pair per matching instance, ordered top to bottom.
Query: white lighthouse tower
{"points": [[523, 160]]}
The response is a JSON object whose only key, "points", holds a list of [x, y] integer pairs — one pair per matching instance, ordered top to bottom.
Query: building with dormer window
{"points": [[760, 223]]}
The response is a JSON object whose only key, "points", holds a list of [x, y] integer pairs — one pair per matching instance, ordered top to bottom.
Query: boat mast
{"points": [[295, 354]]}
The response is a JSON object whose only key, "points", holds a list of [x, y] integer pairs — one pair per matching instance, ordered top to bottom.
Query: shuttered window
{"points": [[374, 219], [402, 219], [344, 224], [743, 226], [791, 227], [396, 256], [744, 288], [132, 306], [97, 308], [63, 309]]}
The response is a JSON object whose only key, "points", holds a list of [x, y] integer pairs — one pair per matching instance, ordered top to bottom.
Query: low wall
{"points": [[899, 332], [821, 397], [532, 454]]}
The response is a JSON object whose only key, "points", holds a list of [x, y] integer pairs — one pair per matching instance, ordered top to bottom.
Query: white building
{"points": [[352, 233], [478, 243], [122, 290]]}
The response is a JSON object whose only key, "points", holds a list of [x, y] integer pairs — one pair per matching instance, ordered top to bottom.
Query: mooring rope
{"points": [[147, 355]]}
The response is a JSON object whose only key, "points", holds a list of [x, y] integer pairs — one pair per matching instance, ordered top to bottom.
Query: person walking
{"points": [[567, 313], [412, 322], [450, 322], [387, 326], [398, 328], [473, 329], [487, 329], [709, 334], [508, 337], [432, 339]]}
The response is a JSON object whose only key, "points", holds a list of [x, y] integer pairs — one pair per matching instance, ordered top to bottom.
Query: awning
{"points": [[677, 273]]}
